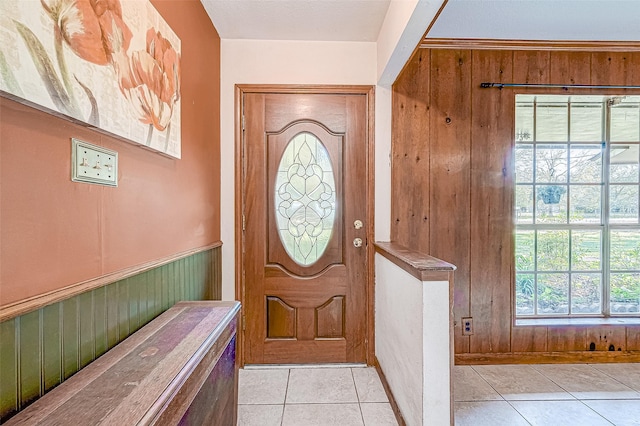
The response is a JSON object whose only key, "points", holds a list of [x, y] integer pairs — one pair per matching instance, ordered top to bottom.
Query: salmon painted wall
{"points": [[55, 232]]}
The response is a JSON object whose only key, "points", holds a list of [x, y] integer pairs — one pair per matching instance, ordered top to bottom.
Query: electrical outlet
{"points": [[93, 164], [467, 326]]}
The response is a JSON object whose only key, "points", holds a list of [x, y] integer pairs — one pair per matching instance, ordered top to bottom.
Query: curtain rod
{"points": [[553, 86]]}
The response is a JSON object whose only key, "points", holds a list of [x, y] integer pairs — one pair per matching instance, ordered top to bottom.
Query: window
{"points": [[577, 203]]}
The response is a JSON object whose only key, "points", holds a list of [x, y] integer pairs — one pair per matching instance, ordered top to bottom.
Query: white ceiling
{"points": [[320, 20], [360, 20], [588, 20]]}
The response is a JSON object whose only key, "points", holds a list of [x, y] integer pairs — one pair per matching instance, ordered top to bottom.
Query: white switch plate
{"points": [[93, 164]]}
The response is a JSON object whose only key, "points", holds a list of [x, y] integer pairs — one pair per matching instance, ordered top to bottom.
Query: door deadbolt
{"points": [[357, 224], [357, 242]]}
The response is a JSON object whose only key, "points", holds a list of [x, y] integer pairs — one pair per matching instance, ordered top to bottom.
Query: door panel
{"points": [[305, 159]]}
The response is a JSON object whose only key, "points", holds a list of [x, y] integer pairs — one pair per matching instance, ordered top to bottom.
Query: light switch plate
{"points": [[93, 164]]}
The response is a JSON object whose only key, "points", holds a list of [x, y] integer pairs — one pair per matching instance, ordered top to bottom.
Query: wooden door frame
{"points": [[368, 91]]}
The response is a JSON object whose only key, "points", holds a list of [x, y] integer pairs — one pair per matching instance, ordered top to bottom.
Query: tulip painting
{"points": [[112, 64]]}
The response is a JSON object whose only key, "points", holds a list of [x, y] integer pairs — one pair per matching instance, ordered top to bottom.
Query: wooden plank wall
{"points": [[452, 180], [41, 349]]}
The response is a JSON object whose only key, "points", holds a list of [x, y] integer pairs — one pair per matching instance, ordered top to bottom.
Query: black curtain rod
{"points": [[553, 86]]}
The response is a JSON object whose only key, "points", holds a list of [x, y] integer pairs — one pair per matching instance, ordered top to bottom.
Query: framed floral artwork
{"points": [[111, 64]]}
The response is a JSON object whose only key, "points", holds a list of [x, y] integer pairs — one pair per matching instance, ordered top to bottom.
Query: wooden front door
{"points": [[305, 195]]}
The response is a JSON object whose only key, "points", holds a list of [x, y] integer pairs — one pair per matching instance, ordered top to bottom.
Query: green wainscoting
{"points": [[41, 349]]}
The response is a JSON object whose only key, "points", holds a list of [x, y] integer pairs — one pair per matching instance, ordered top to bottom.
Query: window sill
{"points": [[529, 322]]}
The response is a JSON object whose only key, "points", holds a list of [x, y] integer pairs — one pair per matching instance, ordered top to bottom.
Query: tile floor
{"points": [[511, 395], [547, 395], [342, 396]]}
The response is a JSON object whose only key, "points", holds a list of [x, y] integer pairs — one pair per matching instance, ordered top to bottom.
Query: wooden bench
{"points": [[178, 369]]}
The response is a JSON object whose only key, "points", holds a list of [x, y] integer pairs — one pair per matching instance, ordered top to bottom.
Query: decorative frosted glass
{"points": [[305, 199]]}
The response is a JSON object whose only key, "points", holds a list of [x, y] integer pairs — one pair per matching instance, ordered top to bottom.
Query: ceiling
{"points": [[319, 20], [361, 20]]}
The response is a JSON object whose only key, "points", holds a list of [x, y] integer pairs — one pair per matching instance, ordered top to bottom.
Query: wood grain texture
{"points": [[342, 123], [410, 155], [450, 172], [470, 180], [492, 229], [281, 319], [51, 344], [567, 357], [163, 367]]}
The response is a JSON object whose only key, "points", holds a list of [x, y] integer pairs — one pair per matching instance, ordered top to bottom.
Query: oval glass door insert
{"points": [[305, 199]]}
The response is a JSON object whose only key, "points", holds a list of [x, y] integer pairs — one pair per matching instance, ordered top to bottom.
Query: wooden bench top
{"points": [[131, 383]]}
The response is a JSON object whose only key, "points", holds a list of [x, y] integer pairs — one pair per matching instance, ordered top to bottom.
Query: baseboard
{"points": [[573, 357], [387, 389]]}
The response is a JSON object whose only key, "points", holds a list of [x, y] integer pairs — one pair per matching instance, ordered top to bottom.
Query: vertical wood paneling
{"points": [[570, 67], [449, 135], [410, 155], [466, 197], [492, 229], [112, 315], [86, 320], [100, 321], [606, 336], [70, 337], [633, 338], [529, 339], [562, 339], [52, 345], [41, 349], [30, 360], [8, 368]]}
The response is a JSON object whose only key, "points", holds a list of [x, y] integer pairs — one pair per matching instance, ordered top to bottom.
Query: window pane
{"points": [[524, 121], [552, 122], [586, 122], [625, 122], [524, 163], [624, 163], [551, 164], [586, 164], [305, 199], [585, 203], [623, 203], [524, 204], [551, 204], [586, 249], [525, 250], [553, 250], [625, 250], [525, 289], [586, 293], [625, 293], [553, 294]]}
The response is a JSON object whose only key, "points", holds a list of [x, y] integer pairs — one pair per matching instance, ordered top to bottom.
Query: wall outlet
{"points": [[93, 164], [467, 326]]}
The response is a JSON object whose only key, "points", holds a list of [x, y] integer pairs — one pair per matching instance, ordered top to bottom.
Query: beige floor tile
{"points": [[626, 373], [521, 382], [585, 382], [321, 385], [368, 385], [262, 386], [469, 386], [618, 412], [487, 413], [558, 413], [378, 414], [260, 415], [322, 415]]}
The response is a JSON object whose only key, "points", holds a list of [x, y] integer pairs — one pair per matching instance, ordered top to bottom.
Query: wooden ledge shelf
{"points": [[419, 265], [178, 369]]}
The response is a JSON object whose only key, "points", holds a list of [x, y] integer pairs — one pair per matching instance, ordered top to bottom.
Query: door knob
{"points": [[357, 242]]}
